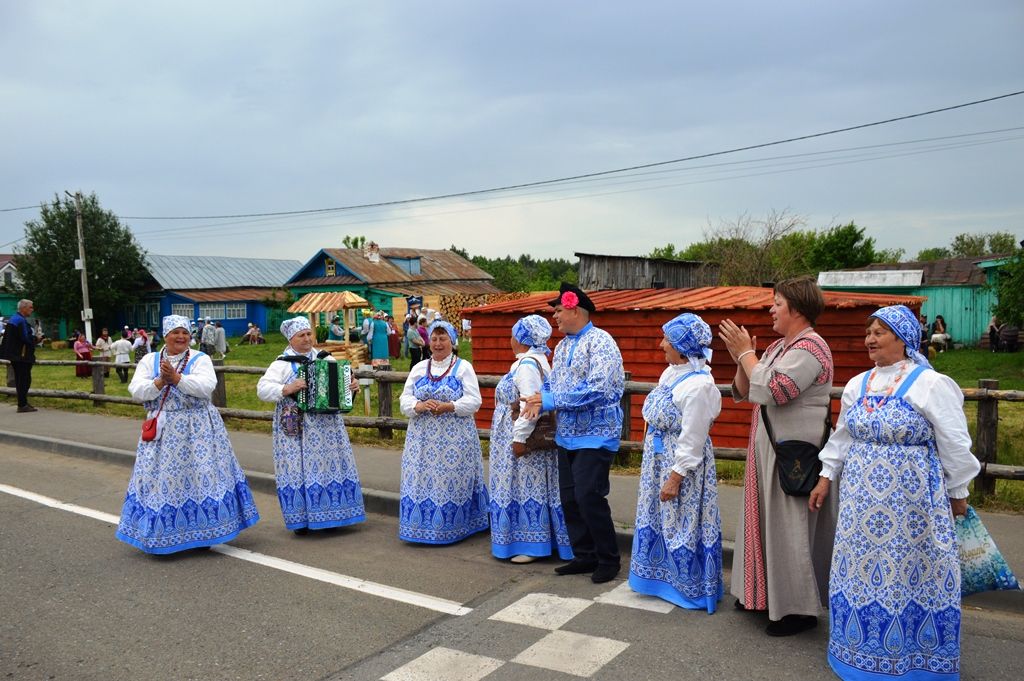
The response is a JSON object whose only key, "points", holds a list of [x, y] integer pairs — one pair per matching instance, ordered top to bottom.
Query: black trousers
{"points": [[415, 354], [122, 373], [22, 381], [583, 488]]}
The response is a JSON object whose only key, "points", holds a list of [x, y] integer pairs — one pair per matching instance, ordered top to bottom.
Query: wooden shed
{"points": [[634, 319]]}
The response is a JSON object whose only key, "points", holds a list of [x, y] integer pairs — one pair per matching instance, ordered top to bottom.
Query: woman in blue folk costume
{"points": [[903, 448], [317, 481], [187, 489], [443, 497], [526, 512], [677, 544]]}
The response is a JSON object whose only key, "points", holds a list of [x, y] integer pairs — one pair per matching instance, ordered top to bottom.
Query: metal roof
{"points": [[435, 266], [213, 271], [944, 272], [871, 278], [327, 281], [227, 295], [705, 298], [328, 301]]}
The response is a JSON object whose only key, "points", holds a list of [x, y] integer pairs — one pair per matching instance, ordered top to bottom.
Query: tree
{"points": [[354, 241], [839, 248], [929, 254], [46, 262], [1009, 288]]}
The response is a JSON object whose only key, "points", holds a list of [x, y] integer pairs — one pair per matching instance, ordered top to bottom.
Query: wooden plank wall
{"points": [[638, 334]]}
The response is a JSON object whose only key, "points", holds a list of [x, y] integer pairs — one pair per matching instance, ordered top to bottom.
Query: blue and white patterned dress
{"points": [[317, 481], [187, 489], [443, 497], [526, 511], [677, 544], [894, 591]]}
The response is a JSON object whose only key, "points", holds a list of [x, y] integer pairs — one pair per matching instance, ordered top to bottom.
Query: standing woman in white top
{"points": [[904, 451], [317, 481], [443, 497], [527, 521], [677, 543]]}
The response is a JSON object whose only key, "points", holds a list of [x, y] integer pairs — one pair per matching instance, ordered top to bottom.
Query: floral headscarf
{"points": [[533, 331]]}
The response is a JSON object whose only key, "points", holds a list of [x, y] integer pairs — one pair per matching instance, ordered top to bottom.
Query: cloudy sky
{"points": [[179, 108]]}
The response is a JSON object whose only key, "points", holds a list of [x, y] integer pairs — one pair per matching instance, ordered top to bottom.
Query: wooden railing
{"points": [[987, 394]]}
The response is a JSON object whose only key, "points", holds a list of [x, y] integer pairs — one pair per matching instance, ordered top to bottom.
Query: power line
{"points": [[763, 163], [538, 183]]}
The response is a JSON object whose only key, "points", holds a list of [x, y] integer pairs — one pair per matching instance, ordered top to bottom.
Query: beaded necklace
{"points": [[450, 365], [888, 391]]}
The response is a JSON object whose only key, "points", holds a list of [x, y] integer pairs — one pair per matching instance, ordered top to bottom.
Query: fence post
{"points": [[98, 387], [220, 393], [384, 405], [985, 440], [622, 458]]}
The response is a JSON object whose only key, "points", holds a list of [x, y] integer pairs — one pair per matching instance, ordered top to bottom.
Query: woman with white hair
{"points": [[317, 481], [187, 489], [442, 495], [526, 512], [677, 543]]}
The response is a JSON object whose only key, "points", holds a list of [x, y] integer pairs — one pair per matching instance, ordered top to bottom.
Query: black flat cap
{"points": [[575, 298]]}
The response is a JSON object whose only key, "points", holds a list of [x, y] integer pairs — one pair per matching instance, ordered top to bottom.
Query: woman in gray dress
{"points": [[783, 550]]}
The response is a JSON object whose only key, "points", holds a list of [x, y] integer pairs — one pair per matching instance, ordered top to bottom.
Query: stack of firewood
{"points": [[356, 353]]}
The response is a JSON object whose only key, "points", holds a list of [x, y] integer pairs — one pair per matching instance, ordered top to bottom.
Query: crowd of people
{"points": [[858, 521]]}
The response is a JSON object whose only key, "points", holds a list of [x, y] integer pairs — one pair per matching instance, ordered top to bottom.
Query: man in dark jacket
{"points": [[19, 346]]}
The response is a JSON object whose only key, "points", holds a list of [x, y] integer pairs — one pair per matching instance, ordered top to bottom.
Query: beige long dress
{"points": [[794, 382]]}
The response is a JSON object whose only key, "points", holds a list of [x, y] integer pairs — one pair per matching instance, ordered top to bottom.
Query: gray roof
{"points": [[212, 271]]}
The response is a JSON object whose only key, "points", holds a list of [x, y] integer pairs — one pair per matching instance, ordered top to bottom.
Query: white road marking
{"points": [[392, 593], [625, 596], [544, 611], [571, 653], [445, 663]]}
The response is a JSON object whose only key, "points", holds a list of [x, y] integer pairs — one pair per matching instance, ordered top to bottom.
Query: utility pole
{"points": [[80, 265]]}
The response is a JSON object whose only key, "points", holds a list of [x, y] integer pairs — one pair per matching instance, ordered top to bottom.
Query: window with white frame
{"points": [[183, 309], [211, 310], [234, 311], [154, 314]]}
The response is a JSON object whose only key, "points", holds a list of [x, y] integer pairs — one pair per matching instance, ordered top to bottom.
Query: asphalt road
{"points": [[77, 604]]}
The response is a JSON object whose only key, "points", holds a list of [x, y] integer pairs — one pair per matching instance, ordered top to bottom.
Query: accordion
{"points": [[328, 386]]}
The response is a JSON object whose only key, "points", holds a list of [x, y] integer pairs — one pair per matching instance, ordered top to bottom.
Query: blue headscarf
{"points": [[903, 322], [442, 324], [533, 331], [690, 336]]}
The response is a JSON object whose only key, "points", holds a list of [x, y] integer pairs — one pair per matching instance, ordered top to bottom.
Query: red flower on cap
{"points": [[569, 300]]}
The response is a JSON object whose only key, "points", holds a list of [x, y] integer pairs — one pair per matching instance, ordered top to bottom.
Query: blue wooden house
{"points": [[233, 291]]}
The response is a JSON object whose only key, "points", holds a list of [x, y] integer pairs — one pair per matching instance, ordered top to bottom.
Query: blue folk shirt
{"points": [[586, 385]]}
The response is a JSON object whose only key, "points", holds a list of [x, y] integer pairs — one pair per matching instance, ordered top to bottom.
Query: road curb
{"points": [[375, 500]]}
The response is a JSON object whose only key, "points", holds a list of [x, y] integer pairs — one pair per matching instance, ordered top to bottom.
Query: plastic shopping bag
{"points": [[982, 567]]}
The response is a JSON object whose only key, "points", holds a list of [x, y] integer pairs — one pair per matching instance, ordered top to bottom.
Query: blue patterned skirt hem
{"points": [[326, 524], [437, 538], [196, 544], [529, 548], [664, 591], [849, 673]]}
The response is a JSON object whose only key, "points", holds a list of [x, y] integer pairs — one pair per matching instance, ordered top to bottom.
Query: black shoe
{"points": [[27, 408], [302, 531], [576, 567], [604, 573], [739, 605], [791, 624]]}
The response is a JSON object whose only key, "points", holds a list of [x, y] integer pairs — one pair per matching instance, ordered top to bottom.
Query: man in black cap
{"points": [[586, 385]]}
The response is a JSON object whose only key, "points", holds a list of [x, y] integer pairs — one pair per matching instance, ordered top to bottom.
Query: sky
{"points": [[181, 109]]}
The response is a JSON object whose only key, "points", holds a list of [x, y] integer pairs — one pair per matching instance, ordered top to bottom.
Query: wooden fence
{"points": [[987, 394]]}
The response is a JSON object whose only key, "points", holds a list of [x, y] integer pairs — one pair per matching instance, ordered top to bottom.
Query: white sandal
{"points": [[522, 559]]}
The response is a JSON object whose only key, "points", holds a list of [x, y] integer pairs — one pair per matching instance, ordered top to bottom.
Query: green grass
{"points": [[965, 366]]}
